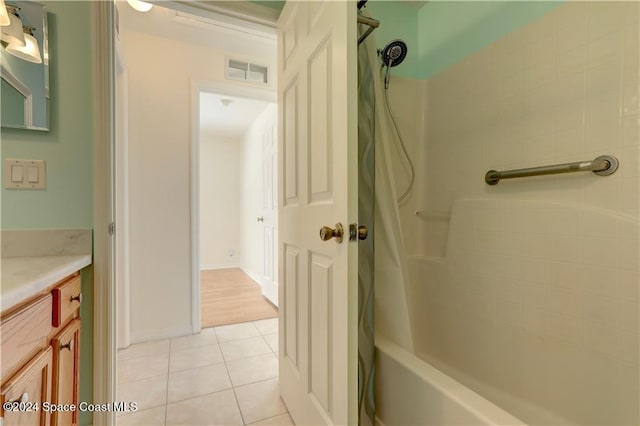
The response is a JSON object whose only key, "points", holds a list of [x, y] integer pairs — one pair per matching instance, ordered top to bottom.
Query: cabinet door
{"points": [[66, 357], [31, 385]]}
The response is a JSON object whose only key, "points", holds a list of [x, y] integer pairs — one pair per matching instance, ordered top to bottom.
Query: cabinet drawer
{"points": [[66, 300], [24, 332], [31, 385]]}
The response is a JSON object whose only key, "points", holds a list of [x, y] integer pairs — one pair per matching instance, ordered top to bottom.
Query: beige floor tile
{"points": [[268, 326], [236, 331], [204, 338], [272, 341], [155, 347], [236, 349], [195, 357], [143, 367], [253, 369], [198, 381], [147, 393], [259, 401], [218, 408], [154, 416], [283, 420]]}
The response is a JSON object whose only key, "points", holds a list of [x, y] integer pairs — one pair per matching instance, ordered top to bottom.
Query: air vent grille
{"points": [[246, 71]]}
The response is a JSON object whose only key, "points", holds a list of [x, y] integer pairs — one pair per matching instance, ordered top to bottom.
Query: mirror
{"points": [[24, 67]]}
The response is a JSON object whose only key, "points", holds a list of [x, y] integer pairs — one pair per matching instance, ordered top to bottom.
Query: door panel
{"points": [[317, 175]]}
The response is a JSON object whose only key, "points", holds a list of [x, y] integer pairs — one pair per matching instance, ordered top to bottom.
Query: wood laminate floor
{"points": [[229, 296]]}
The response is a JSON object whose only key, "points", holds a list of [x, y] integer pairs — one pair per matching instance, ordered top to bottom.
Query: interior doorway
{"points": [[237, 208], [179, 370]]}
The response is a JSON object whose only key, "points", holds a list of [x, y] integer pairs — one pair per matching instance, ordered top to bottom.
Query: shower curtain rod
{"points": [[372, 23]]}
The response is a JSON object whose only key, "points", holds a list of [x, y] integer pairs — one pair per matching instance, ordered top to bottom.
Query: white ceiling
{"points": [[211, 29], [221, 32], [230, 122]]}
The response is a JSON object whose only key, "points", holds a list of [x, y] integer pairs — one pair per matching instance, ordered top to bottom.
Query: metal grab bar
{"points": [[604, 165]]}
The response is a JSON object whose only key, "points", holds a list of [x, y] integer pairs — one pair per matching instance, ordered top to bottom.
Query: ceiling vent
{"points": [[246, 71]]}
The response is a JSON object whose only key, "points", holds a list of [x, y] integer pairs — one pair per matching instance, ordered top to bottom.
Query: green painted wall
{"points": [[397, 21], [448, 31], [441, 33], [67, 201]]}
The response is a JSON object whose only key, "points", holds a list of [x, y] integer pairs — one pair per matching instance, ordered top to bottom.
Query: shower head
{"points": [[394, 53]]}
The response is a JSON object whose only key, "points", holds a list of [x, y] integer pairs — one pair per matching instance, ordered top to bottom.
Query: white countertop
{"points": [[23, 277]]}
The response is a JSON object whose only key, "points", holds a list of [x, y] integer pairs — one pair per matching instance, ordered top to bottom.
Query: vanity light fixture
{"points": [[140, 6], [4, 15], [13, 33], [30, 52]]}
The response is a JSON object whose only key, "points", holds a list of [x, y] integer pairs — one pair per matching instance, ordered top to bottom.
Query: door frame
{"points": [[225, 89]]}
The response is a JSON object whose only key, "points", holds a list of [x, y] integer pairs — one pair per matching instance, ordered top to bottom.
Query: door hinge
{"points": [[112, 228]]}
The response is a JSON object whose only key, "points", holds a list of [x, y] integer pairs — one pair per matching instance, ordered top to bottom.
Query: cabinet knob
{"points": [[78, 298], [68, 346]]}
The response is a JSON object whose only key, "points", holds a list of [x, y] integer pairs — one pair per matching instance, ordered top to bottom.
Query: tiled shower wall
{"points": [[561, 89]]}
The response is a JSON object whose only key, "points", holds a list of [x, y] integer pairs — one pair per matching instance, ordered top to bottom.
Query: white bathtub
{"points": [[410, 391]]}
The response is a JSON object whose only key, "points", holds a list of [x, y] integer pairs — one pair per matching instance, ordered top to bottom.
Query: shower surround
{"points": [[527, 291]]}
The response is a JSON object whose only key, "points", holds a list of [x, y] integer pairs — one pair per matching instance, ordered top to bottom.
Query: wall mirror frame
{"points": [[24, 68]]}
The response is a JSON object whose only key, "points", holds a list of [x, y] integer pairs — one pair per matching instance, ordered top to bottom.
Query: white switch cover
{"points": [[17, 173], [24, 174], [32, 174]]}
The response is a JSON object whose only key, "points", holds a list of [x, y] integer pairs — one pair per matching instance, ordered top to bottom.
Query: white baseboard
{"points": [[252, 275], [270, 291], [161, 334]]}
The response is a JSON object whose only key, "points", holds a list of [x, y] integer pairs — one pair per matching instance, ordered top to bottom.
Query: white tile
{"points": [[606, 17], [609, 48], [631, 130], [565, 249], [600, 252], [628, 287], [628, 317], [267, 326], [236, 331], [204, 338], [601, 338], [272, 341], [155, 347], [243, 348], [195, 357], [142, 367], [253, 369], [198, 381], [147, 393], [259, 401], [214, 409], [153, 416], [283, 420]]}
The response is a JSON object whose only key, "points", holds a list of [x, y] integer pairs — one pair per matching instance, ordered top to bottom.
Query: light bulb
{"points": [[140, 6], [4, 15], [13, 33], [30, 52]]}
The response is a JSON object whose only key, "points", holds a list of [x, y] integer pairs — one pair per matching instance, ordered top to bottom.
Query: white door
{"points": [[317, 175], [270, 212]]}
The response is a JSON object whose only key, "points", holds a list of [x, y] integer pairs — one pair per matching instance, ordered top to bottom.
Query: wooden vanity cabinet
{"points": [[41, 355], [66, 362], [31, 386]]}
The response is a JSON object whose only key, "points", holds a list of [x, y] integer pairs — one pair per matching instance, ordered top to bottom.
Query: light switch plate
{"points": [[32, 172]]}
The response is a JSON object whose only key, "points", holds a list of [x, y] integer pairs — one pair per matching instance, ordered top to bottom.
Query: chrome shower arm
{"points": [[372, 23]]}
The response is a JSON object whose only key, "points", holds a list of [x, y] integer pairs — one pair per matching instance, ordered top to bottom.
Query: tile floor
{"points": [[225, 375]]}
